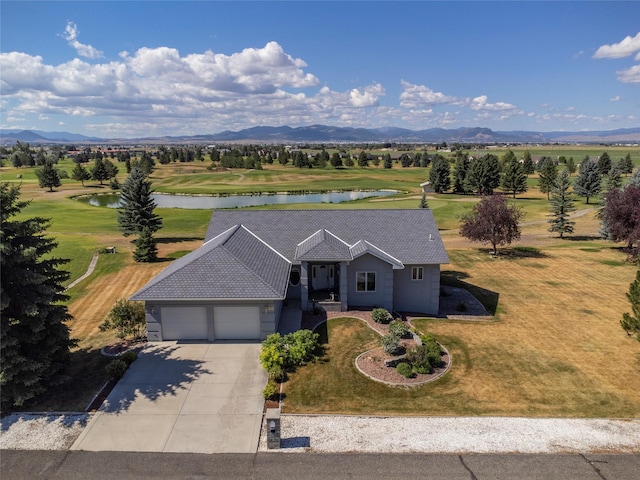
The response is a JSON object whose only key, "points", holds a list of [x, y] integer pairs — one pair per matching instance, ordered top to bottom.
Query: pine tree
{"points": [[363, 159], [386, 161], [527, 164], [604, 164], [626, 164], [99, 171], [80, 174], [439, 174], [483, 175], [48, 176], [547, 176], [514, 180], [588, 181], [423, 201], [561, 205], [137, 208], [146, 248], [631, 321], [34, 340]]}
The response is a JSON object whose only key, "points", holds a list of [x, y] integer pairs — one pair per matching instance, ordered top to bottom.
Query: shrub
{"points": [[380, 315], [126, 318], [399, 329], [391, 345], [300, 346], [273, 354], [129, 357], [424, 358], [116, 369], [405, 370], [270, 391]]}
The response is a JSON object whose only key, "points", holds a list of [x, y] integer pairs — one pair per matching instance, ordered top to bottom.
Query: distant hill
{"points": [[329, 134]]}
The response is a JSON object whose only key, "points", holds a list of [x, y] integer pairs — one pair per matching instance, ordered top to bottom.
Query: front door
{"points": [[323, 277]]}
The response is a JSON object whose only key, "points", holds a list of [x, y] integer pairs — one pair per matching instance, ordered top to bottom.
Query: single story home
{"points": [[255, 261]]}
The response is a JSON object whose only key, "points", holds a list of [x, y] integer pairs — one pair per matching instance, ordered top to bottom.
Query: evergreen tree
{"points": [[363, 159], [336, 161], [348, 161], [386, 161], [527, 163], [604, 164], [626, 164], [571, 166], [99, 171], [460, 172], [80, 174], [439, 174], [483, 175], [48, 176], [547, 176], [613, 179], [634, 179], [514, 180], [588, 181], [423, 201], [561, 205], [136, 212], [146, 248], [631, 321], [34, 340]]}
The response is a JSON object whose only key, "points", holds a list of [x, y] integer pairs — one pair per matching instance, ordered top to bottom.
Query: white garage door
{"points": [[184, 323], [236, 323]]}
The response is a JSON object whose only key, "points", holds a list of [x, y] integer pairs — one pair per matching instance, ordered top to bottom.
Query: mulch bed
{"points": [[372, 362]]}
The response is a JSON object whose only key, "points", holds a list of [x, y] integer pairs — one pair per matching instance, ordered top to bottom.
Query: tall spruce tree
{"points": [[80, 173], [483, 175], [439, 176], [547, 176], [514, 180], [588, 181], [562, 204], [136, 212], [146, 248], [631, 321], [34, 340]]}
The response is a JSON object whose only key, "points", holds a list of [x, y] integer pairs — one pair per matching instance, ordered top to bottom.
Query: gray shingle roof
{"points": [[410, 236], [323, 246], [363, 247], [234, 264]]}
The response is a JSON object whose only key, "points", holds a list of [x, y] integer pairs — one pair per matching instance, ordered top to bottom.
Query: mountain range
{"points": [[329, 134]]}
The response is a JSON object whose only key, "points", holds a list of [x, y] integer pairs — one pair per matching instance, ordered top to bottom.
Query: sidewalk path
{"points": [[92, 266]]}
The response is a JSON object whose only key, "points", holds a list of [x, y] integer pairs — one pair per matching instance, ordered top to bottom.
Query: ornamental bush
{"points": [[380, 315], [399, 329], [391, 345], [280, 354], [129, 357], [424, 358], [116, 369], [405, 370], [270, 391]]}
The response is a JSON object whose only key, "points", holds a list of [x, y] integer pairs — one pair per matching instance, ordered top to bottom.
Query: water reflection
{"points": [[233, 201]]}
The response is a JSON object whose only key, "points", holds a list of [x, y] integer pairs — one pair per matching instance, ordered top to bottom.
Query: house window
{"points": [[416, 273], [294, 277], [365, 281]]}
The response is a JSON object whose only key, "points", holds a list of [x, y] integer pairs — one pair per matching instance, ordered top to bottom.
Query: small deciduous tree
{"points": [[483, 175], [561, 205], [621, 213], [493, 221], [126, 318]]}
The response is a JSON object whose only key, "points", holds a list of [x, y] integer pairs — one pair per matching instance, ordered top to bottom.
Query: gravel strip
{"points": [[27, 431], [455, 435]]}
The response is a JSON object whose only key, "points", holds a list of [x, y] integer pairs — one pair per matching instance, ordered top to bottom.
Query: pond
{"points": [[234, 201]]}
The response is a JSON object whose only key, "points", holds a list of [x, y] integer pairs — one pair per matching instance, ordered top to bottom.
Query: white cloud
{"points": [[71, 36], [628, 46], [630, 75], [414, 96], [615, 99], [480, 103]]}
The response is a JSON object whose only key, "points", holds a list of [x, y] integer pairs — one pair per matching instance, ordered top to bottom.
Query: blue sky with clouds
{"points": [[149, 68]]}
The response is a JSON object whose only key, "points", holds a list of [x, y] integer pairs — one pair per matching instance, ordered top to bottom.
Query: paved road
{"points": [[69, 465]]}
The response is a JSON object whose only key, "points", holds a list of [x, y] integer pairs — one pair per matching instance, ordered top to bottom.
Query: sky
{"points": [[151, 68]]}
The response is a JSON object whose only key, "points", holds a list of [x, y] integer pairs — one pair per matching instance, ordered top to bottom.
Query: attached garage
{"points": [[236, 322], [185, 323]]}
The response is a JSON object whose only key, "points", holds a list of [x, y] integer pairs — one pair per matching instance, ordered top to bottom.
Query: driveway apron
{"points": [[183, 397]]}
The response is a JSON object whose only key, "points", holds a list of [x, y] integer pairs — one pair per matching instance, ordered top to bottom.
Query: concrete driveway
{"points": [[183, 397]]}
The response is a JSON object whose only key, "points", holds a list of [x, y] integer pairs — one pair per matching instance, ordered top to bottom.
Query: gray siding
{"points": [[383, 295], [417, 295]]}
